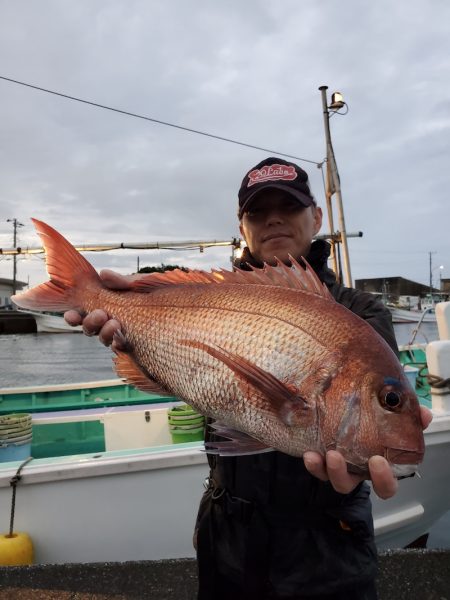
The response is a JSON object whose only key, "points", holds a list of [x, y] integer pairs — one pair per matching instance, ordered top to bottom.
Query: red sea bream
{"points": [[267, 353]]}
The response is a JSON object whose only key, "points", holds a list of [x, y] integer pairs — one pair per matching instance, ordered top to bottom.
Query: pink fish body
{"points": [[268, 353]]}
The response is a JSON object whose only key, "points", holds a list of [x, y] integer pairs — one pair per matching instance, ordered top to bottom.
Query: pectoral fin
{"points": [[282, 399]]}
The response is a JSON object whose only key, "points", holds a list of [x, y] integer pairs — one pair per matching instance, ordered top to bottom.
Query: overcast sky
{"points": [[247, 70]]}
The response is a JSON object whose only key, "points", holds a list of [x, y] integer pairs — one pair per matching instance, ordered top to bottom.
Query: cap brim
{"points": [[303, 199]]}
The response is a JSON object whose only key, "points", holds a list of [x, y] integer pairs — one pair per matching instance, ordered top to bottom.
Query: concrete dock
{"points": [[404, 575]]}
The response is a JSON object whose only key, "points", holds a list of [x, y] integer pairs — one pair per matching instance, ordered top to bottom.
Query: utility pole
{"points": [[334, 186], [16, 224], [431, 275]]}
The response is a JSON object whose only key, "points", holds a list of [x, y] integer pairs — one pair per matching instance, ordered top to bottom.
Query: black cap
{"points": [[275, 173]]}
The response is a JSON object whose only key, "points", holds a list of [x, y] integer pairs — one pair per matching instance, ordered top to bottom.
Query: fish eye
{"points": [[390, 399]]}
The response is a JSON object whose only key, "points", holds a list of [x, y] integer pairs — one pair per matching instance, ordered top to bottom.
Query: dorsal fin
{"points": [[280, 275]]}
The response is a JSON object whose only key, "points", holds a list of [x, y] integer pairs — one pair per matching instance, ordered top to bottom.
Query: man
{"points": [[271, 525]]}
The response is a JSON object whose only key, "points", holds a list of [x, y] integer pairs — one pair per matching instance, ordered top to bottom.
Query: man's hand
{"points": [[98, 322], [334, 469]]}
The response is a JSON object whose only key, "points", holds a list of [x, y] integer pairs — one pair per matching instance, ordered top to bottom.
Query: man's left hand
{"points": [[333, 468]]}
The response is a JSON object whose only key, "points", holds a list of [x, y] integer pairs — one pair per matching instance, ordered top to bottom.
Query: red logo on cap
{"points": [[272, 173]]}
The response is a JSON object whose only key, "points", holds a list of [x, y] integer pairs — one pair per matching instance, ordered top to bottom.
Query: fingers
{"points": [[114, 280], [73, 317], [94, 321], [97, 322], [106, 335], [426, 416], [315, 464], [334, 469], [342, 481], [384, 483]]}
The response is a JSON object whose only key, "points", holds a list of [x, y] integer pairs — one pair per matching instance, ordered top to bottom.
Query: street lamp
{"points": [[337, 101], [333, 182], [441, 268]]}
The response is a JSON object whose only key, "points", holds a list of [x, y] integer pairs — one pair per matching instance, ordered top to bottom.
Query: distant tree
{"points": [[162, 269]]}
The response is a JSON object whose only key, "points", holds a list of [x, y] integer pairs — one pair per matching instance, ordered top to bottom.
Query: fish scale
{"points": [[257, 333], [267, 353], [170, 363]]}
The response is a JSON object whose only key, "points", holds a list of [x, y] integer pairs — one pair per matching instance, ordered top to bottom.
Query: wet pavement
{"points": [[404, 575]]}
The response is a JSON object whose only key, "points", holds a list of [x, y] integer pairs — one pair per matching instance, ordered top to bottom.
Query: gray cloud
{"points": [[248, 71]]}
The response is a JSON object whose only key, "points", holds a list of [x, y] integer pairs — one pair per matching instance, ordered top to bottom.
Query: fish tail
{"points": [[70, 274]]}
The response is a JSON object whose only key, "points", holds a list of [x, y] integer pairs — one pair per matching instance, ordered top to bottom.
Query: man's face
{"points": [[276, 225]]}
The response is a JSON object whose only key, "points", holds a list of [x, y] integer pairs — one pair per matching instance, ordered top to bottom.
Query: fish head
{"points": [[380, 416], [399, 422]]}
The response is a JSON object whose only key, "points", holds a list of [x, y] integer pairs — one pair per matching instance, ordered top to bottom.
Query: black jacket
{"points": [[267, 525]]}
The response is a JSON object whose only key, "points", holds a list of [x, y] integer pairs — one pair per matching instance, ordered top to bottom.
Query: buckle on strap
{"points": [[210, 485], [217, 493], [233, 506]]}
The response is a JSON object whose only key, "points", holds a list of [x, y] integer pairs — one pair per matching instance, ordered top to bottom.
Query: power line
{"points": [[137, 116]]}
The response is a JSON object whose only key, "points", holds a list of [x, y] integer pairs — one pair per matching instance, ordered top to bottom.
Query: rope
{"points": [[438, 382], [13, 483]]}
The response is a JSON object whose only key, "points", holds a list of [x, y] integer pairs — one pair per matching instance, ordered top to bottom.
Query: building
{"points": [[445, 286], [398, 290], [6, 291]]}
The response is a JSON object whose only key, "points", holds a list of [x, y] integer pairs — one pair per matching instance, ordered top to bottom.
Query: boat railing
{"points": [[416, 329]]}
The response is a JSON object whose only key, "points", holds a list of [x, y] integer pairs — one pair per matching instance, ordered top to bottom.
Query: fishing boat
{"points": [[423, 312], [403, 315], [47, 322], [73, 396], [69, 418], [108, 482]]}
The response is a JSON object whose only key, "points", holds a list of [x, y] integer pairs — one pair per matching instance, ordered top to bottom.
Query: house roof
{"points": [[9, 282]]}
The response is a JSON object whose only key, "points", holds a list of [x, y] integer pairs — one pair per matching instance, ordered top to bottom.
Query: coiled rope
{"points": [[437, 382]]}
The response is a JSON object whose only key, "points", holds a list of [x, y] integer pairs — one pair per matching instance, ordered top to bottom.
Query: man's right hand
{"points": [[98, 322]]}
